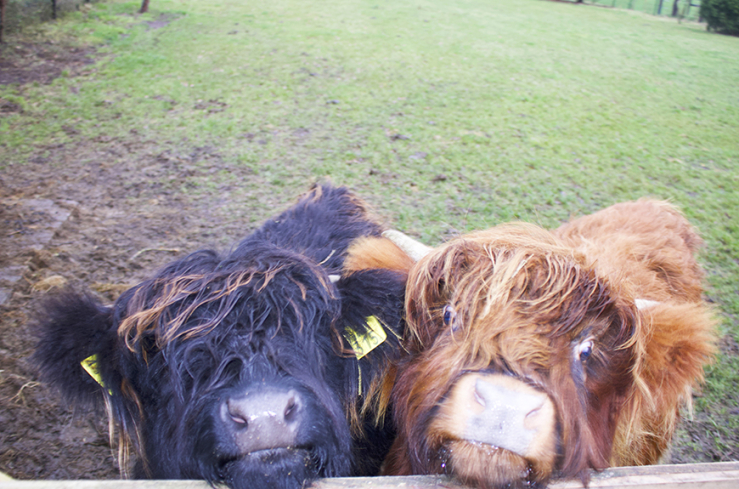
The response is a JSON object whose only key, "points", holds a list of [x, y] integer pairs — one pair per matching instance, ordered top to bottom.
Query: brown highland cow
{"points": [[535, 354]]}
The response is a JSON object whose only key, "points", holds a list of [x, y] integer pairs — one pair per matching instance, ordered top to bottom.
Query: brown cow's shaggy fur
{"points": [[524, 302]]}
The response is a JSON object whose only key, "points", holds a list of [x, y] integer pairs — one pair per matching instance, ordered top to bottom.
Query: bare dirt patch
{"points": [[162, 21], [24, 62]]}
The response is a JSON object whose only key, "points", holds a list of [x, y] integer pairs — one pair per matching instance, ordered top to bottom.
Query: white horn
{"points": [[415, 249], [334, 278], [642, 304]]}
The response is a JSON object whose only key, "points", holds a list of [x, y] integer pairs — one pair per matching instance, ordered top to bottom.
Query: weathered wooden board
{"points": [[689, 476]]}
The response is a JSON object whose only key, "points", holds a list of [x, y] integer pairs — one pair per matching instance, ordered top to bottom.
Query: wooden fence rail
{"points": [[724, 475]]}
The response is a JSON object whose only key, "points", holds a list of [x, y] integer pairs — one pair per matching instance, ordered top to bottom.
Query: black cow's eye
{"points": [[584, 350]]}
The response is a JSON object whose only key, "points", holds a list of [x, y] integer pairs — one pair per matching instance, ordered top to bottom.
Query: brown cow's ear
{"points": [[376, 253], [677, 341], [682, 341]]}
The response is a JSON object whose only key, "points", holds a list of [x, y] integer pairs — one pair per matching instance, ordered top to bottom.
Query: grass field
{"points": [[446, 116]]}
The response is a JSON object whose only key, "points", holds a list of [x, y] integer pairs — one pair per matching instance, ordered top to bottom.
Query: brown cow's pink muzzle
{"points": [[503, 412]]}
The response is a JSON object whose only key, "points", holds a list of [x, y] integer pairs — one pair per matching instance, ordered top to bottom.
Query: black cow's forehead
{"points": [[262, 289]]}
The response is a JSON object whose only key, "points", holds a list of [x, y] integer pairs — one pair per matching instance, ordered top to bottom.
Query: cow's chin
{"points": [[485, 466], [278, 468]]}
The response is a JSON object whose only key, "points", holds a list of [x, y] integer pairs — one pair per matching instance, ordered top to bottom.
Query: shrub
{"points": [[721, 15]]}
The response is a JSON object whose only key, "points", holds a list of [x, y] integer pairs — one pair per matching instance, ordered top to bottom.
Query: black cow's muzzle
{"points": [[265, 419]]}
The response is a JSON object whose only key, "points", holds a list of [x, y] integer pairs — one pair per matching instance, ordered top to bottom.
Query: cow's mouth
{"points": [[277, 452], [269, 455], [289, 459], [482, 465], [283, 467]]}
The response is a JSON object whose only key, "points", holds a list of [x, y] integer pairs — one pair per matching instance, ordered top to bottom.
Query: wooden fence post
{"points": [[2, 17]]}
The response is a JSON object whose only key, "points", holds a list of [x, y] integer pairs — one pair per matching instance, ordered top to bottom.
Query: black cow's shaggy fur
{"points": [[173, 350]]}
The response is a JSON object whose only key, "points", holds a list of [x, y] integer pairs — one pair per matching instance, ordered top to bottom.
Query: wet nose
{"points": [[264, 419]]}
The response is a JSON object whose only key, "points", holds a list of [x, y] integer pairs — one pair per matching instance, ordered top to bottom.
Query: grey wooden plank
{"points": [[723, 475]]}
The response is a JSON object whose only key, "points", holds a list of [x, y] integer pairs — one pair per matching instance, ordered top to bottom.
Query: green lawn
{"points": [[447, 116]]}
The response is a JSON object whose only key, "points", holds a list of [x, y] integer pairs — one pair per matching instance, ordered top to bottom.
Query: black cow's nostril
{"points": [[292, 406], [289, 409], [235, 412], [242, 422]]}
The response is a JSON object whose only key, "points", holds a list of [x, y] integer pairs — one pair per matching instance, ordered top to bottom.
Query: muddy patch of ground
{"points": [[162, 21], [23, 62]]}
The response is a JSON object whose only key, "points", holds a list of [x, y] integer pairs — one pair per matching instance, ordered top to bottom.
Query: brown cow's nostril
{"points": [[479, 397], [529, 421]]}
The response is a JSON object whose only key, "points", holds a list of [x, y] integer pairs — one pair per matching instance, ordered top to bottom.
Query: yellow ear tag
{"points": [[366, 342], [90, 364]]}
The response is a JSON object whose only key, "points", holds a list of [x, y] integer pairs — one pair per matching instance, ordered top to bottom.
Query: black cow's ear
{"points": [[372, 291], [371, 300], [76, 346]]}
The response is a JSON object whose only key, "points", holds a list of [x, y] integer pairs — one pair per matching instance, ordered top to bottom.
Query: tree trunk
{"points": [[144, 7], [53, 9], [675, 9], [2, 18]]}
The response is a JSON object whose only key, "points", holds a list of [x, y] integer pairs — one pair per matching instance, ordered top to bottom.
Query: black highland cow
{"points": [[258, 369]]}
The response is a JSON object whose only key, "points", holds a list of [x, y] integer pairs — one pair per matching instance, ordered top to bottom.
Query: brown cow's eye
{"points": [[450, 317], [584, 350]]}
